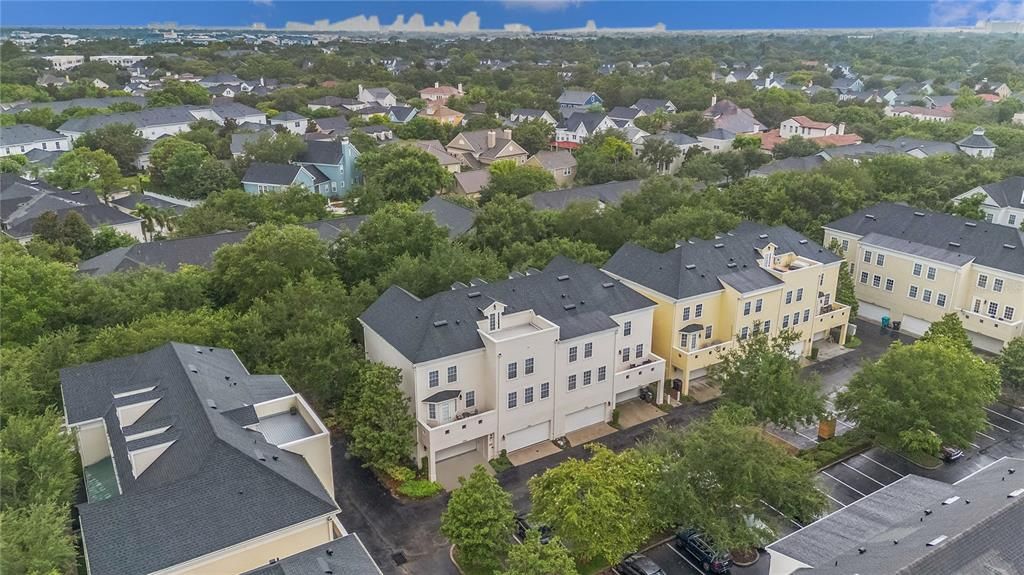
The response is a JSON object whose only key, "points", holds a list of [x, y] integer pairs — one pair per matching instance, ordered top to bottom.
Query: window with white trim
{"points": [[1012, 219], [845, 245], [867, 257], [880, 260], [918, 268], [931, 273], [863, 278], [876, 280], [982, 281], [889, 284], [997, 284], [912, 292], [800, 294], [789, 296], [926, 296], [940, 300], [759, 305], [746, 308], [993, 309], [698, 310], [686, 313], [1008, 313], [807, 315], [796, 318], [785, 321], [767, 327], [627, 328], [707, 332], [744, 332], [588, 349], [639, 350], [572, 353], [625, 354], [528, 366], [513, 370], [602, 373], [453, 374], [586, 378], [432, 379], [572, 382], [545, 390], [528, 395], [470, 399], [513, 399], [432, 411]]}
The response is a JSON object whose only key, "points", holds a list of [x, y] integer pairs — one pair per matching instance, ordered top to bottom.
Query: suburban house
{"points": [[119, 60], [740, 75], [222, 78], [845, 85], [439, 94], [380, 96], [575, 100], [335, 102], [652, 105], [60, 106], [619, 113], [921, 113], [401, 114], [443, 114], [523, 114], [729, 116], [152, 123], [294, 123], [334, 126], [572, 130], [824, 134], [23, 138], [717, 140], [682, 143], [977, 145], [910, 146], [484, 147], [436, 149], [559, 163], [327, 167], [261, 177], [472, 182], [606, 194], [23, 201], [1003, 203], [457, 219], [914, 266], [712, 293], [499, 367], [182, 438], [917, 525]]}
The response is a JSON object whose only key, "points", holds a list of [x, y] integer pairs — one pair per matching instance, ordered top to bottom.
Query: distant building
{"points": [[574, 100], [23, 138], [559, 163], [1003, 203]]}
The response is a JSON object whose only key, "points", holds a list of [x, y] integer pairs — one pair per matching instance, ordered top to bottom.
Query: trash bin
{"points": [[885, 321], [896, 325]]}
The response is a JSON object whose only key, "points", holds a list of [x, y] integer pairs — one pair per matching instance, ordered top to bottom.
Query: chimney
{"points": [[437, 84], [460, 87], [360, 90], [714, 100], [842, 128], [507, 133], [490, 138]]}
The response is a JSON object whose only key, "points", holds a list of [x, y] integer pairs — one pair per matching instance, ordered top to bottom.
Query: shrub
{"points": [[399, 473], [420, 488]]}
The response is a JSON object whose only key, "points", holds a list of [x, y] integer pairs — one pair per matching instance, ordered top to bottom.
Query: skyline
{"points": [[536, 15]]}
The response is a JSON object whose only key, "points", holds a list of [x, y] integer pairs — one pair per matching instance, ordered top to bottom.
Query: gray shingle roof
{"points": [[574, 97], [62, 105], [651, 105], [232, 110], [402, 113], [623, 113], [287, 117], [141, 119], [590, 121], [335, 124], [26, 134], [719, 134], [677, 138], [976, 140], [324, 152], [555, 159], [267, 173], [1008, 192], [610, 193], [22, 202], [130, 202], [457, 219], [982, 241], [700, 266], [413, 326], [208, 490], [982, 537], [343, 556]]}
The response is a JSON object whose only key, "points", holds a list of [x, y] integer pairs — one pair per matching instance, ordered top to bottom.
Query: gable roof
{"points": [[576, 97], [61, 105], [651, 105], [402, 113], [530, 113], [623, 113], [287, 117], [141, 119], [591, 121], [809, 123], [332, 124], [26, 134], [719, 134], [677, 138], [976, 140], [326, 152], [268, 173], [472, 181], [609, 193], [1007, 193], [131, 201], [457, 219], [924, 231], [698, 266], [413, 326], [216, 485]]}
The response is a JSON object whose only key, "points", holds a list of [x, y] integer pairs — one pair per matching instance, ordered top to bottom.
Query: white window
{"points": [[1012, 220], [846, 245], [867, 257], [880, 260], [917, 269], [931, 273], [863, 278], [876, 281], [982, 281], [889, 284], [997, 284], [912, 292], [800, 294], [926, 296], [789, 297], [940, 300], [759, 305], [977, 306], [746, 308], [993, 309], [698, 310], [686, 313], [1008, 313], [807, 315], [796, 318], [785, 321], [493, 322], [627, 328], [767, 328], [707, 332], [744, 332], [588, 349], [639, 350], [572, 353], [625, 354], [528, 366], [513, 370], [602, 373], [453, 374], [586, 377], [432, 379], [572, 382], [545, 390], [528, 395], [470, 399], [512, 399], [432, 411]]}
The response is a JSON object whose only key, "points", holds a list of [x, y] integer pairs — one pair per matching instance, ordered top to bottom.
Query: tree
{"points": [[175, 93], [691, 123], [533, 135], [121, 141], [746, 142], [795, 147], [274, 148], [658, 153], [606, 157], [13, 164], [83, 167], [702, 168], [186, 170], [399, 174], [519, 181], [657, 196], [969, 207], [505, 220], [684, 223], [522, 255], [269, 258], [447, 263], [33, 292], [845, 293], [950, 328], [1011, 364], [761, 373], [906, 397], [377, 415], [38, 460], [714, 475], [599, 507], [479, 521], [37, 539], [536, 558]]}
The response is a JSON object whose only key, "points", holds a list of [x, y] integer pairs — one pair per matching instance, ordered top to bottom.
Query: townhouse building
{"points": [[23, 138], [1003, 201], [915, 266], [712, 293], [499, 367]]}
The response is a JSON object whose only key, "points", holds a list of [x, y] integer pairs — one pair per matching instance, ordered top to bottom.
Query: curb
{"points": [[451, 557]]}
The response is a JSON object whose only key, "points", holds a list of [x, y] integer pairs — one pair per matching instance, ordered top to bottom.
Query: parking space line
{"points": [[1005, 416], [997, 427], [986, 436], [805, 437], [975, 445], [878, 463], [827, 474], [864, 474], [823, 492], [781, 514], [683, 557]]}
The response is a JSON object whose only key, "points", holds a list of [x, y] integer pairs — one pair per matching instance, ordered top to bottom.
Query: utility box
{"points": [[827, 428]]}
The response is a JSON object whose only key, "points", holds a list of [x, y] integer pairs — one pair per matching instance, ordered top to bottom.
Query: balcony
{"points": [[832, 315], [992, 326], [651, 369], [467, 426]]}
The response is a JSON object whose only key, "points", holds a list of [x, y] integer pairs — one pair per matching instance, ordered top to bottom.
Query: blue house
{"points": [[574, 100], [326, 167], [264, 177]]}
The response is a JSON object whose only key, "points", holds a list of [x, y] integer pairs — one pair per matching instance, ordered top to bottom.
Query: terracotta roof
{"points": [[838, 140]]}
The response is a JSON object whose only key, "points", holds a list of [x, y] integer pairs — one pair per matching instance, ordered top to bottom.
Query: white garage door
{"points": [[872, 312], [914, 325], [820, 335], [985, 342], [797, 349], [701, 372], [627, 395], [584, 417], [527, 436], [455, 450]]}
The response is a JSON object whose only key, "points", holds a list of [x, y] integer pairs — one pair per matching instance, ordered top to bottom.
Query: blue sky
{"points": [[538, 14]]}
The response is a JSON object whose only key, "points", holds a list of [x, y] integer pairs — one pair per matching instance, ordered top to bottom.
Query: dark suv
{"points": [[522, 526], [702, 550], [637, 564]]}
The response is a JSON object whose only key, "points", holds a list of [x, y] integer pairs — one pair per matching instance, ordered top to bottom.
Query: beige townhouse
{"points": [[915, 266], [712, 293], [492, 367], [192, 465]]}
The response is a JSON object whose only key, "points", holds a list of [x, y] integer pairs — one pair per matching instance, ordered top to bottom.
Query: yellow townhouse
{"points": [[915, 266], [711, 293]]}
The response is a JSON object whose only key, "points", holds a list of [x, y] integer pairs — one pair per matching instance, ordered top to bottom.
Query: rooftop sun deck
{"points": [[283, 428]]}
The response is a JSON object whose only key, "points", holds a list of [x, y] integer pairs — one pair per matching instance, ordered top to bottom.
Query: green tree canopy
{"points": [[533, 135], [121, 141], [83, 167], [398, 173], [519, 181], [33, 291], [952, 329], [1011, 364], [378, 418], [38, 460], [479, 521], [535, 558]]}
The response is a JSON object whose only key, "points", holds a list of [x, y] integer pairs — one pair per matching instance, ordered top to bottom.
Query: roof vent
{"points": [[919, 214], [870, 217], [971, 224], [763, 236], [803, 242], [955, 244], [719, 245], [1010, 246], [730, 265], [691, 266], [563, 277], [607, 284], [473, 294], [569, 306], [441, 323], [193, 368], [211, 403], [260, 456], [1016, 493], [951, 500], [937, 541], [324, 567]]}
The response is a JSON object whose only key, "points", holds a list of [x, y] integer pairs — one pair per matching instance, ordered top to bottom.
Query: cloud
{"points": [[542, 5], [969, 12]]}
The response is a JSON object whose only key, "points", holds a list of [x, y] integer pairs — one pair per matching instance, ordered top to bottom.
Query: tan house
{"points": [[440, 94], [443, 114], [484, 147], [436, 149], [560, 163], [471, 182], [914, 266], [712, 293], [504, 366], [193, 465]]}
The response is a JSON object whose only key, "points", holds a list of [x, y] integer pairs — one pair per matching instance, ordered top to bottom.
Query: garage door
{"points": [[872, 312], [914, 325], [820, 335], [985, 342], [797, 349], [701, 372], [627, 395], [584, 417], [527, 436], [455, 450]]}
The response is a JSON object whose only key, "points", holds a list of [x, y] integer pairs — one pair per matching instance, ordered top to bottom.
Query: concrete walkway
{"points": [[636, 412], [589, 433], [532, 453], [450, 470]]}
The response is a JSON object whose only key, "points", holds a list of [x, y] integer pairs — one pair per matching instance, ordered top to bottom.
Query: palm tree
{"points": [[658, 153], [150, 215]]}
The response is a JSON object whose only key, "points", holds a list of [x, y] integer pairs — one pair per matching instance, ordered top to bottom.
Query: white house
{"points": [[122, 60], [65, 62], [380, 96], [920, 113], [523, 114], [154, 123], [580, 126], [808, 128], [23, 138], [717, 140], [977, 145], [1003, 203], [499, 367]]}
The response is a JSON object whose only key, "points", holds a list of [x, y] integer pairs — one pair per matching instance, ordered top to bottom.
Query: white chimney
{"points": [[437, 84], [460, 87], [360, 90], [714, 100], [842, 128], [507, 132], [491, 139]]}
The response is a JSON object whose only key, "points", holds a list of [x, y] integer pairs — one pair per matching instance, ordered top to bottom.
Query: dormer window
{"points": [[495, 321]]}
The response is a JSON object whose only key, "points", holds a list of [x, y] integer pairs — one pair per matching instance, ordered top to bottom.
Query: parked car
{"points": [[950, 453], [522, 526], [702, 550], [637, 564]]}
